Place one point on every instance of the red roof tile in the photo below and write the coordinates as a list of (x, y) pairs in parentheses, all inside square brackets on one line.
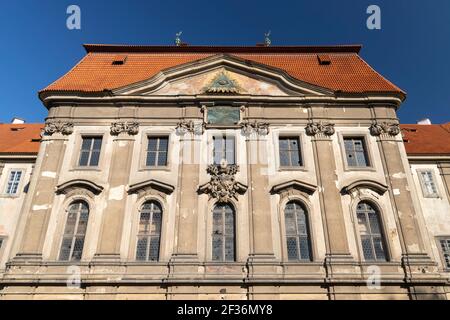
[(431, 139), (347, 72), (20, 138)]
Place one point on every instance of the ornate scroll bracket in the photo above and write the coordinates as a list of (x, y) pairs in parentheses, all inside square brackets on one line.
[(320, 129), (223, 186), (191, 126), (248, 127), (65, 128), (387, 128), (132, 128)]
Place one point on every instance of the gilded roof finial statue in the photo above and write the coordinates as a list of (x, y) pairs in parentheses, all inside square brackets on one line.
[(267, 41), (178, 38)]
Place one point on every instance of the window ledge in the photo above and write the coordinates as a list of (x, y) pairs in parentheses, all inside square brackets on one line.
[(86, 169)]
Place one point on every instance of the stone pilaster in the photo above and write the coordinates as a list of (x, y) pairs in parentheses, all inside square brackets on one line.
[(108, 249), (52, 151), (338, 256), (261, 259), (415, 259), (185, 259)]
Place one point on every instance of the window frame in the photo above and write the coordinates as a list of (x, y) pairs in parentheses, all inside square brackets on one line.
[(306, 209), (368, 150), (422, 183), (142, 165), (235, 235), (301, 144), (19, 184), (138, 235), (77, 151), (64, 224), (382, 226), (224, 135), (446, 267)]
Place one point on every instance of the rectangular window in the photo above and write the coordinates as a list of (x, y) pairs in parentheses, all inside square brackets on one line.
[(12, 187), (90, 151), (289, 148), (356, 152), (224, 147), (445, 249), (428, 185), (157, 148)]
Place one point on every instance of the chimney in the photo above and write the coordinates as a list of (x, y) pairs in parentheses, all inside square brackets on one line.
[(424, 121), (16, 120)]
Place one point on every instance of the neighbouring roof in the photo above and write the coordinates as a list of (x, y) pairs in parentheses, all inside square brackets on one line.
[(20, 138), (426, 139), (107, 67)]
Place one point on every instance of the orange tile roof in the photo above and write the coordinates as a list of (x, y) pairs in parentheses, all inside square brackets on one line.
[(20, 138), (426, 139), (347, 72)]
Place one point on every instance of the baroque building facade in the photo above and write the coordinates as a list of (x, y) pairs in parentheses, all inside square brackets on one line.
[(223, 173)]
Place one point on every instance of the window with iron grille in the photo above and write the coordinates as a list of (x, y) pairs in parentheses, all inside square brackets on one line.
[(428, 184), (297, 232), (12, 187), (289, 149), (223, 235), (149, 233), (157, 148), (90, 151), (74, 232), (356, 152), (371, 233), (445, 249), (224, 147)]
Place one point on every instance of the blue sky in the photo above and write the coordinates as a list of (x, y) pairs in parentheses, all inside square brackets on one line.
[(412, 49)]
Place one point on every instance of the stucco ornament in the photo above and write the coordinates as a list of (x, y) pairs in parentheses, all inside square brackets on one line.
[(248, 127), (185, 126), (64, 128), (223, 83), (390, 128), (132, 128), (223, 186), (319, 128)]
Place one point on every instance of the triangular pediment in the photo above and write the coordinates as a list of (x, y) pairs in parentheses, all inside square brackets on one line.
[(222, 75)]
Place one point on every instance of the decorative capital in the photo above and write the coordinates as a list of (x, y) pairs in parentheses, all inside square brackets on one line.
[(191, 126), (388, 128), (260, 128), (319, 128), (223, 187), (65, 128), (132, 128)]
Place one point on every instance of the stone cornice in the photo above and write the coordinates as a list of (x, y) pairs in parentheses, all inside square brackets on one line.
[(65, 187), (368, 184), (151, 184), (293, 184)]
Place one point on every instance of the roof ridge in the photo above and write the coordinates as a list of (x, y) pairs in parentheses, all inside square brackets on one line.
[(351, 48)]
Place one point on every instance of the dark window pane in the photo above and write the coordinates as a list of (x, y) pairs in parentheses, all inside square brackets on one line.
[(94, 158), (97, 145), (162, 159), (304, 248), (152, 144), (78, 248), (367, 248), (141, 249), (86, 144), (163, 143), (284, 158), (217, 247), (65, 249), (292, 248), (229, 248), (154, 249), (84, 157), (379, 251), (151, 158)]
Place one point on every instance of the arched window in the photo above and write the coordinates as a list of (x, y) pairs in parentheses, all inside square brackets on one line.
[(223, 236), (74, 231), (371, 233), (298, 240), (149, 233)]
